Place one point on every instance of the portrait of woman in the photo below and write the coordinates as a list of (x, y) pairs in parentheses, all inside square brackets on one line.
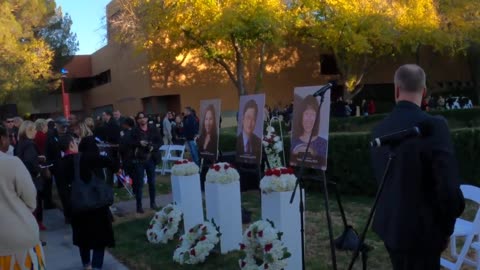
[(304, 126), (208, 140)]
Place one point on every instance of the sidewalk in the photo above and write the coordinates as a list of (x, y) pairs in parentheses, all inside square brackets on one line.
[(60, 252)]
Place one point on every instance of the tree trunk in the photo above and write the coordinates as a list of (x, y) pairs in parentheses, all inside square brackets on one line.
[(474, 63), (240, 66), (261, 69)]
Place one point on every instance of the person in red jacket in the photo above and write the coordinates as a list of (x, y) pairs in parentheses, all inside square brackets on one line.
[(371, 107), (41, 136)]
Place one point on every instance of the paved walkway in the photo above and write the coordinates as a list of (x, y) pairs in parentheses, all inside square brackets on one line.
[(60, 252)]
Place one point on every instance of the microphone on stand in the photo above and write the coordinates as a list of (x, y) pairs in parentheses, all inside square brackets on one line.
[(423, 129)]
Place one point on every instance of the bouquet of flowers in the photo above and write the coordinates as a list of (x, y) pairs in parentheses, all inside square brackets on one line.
[(197, 243), (222, 173), (185, 167), (278, 180), (262, 243), (273, 145)]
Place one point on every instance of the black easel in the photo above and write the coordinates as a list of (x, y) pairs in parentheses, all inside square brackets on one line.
[(299, 185), (391, 157)]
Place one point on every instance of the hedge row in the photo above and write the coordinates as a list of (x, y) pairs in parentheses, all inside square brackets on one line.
[(456, 119), (349, 159)]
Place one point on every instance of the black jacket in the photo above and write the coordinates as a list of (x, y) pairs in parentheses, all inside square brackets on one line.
[(112, 131), (26, 151), (152, 136), (421, 198), (190, 127)]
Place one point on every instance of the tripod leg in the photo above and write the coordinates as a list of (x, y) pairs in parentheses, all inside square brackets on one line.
[(329, 221), (339, 202)]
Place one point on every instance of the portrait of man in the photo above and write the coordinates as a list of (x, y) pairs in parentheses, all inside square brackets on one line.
[(249, 139), (209, 129), (305, 112)]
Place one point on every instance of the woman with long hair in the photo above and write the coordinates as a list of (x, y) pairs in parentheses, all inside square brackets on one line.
[(208, 140), (28, 152), (92, 229), (304, 127)]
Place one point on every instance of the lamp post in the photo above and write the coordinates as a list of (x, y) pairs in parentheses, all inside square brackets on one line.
[(65, 96)]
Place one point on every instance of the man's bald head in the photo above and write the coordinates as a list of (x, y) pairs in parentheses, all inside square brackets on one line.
[(410, 78)]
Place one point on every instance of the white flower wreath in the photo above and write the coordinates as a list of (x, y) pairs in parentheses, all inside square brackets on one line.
[(261, 241), (184, 167), (197, 244), (164, 225), (222, 173)]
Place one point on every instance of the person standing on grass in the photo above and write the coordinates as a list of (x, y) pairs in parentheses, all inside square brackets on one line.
[(421, 198), (167, 129), (190, 131), (20, 244), (146, 142)]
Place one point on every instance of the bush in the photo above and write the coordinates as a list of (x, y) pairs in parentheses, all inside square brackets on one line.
[(349, 161), (456, 119)]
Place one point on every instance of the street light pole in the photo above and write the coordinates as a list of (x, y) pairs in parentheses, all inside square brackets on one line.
[(65, 97)]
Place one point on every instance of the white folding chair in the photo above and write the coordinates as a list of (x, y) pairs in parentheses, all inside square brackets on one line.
[(467, 229), (174, 153), (164, 153)]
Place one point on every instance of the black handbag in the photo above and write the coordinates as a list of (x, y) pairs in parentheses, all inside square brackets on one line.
[(89, 195)]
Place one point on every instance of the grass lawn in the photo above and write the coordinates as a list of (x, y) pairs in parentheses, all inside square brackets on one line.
[(162, 185), (134, 250)]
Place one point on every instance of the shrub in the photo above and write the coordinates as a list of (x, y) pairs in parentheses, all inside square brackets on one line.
[(349, 161)]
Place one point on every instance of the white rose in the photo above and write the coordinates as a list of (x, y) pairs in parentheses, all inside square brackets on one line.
[(270, 129)]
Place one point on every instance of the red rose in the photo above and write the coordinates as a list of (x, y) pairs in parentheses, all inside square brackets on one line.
[(242, 246), (170, 219), (192, 252), (231, 166), (203, 238), (277, 173), (217, 168), (268, 247), (284, 171), (269, 173), (151, 226), (291, 170), (243, 264), (265, 266), (226, 167), (191, 230), (260, 234), (178, 162), (204, 228), (249, 234), (185, 161)]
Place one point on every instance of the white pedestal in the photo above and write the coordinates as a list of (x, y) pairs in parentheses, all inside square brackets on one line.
[(224, 207), (286, 218), (188, 196)]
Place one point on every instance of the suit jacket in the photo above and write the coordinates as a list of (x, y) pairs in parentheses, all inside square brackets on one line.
[(256, 147), (421, 198)]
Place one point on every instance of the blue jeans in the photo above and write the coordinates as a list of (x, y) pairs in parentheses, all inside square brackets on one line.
[(192, 146), (96, 260), (140, 169)]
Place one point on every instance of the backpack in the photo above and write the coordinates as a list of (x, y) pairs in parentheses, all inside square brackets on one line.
[(89, 196)]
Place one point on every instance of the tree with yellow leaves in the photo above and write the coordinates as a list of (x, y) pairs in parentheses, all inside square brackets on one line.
[(231, 33)]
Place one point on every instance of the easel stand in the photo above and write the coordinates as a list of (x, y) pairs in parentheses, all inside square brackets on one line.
[(391, 157), (299, 184)]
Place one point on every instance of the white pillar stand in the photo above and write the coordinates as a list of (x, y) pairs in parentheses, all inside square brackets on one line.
[(286, 218), (224, 207), (188, 196)]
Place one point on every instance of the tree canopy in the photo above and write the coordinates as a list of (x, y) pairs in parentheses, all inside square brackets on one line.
[(26, 47), (233, 34)]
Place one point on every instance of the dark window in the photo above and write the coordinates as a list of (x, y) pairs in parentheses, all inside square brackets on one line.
[(328, 65), (102, 78)]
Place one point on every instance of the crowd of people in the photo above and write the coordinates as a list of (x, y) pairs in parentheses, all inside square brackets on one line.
[(53, 150)]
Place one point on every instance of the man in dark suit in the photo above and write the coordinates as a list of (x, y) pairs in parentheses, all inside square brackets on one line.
[(421, 198), (249, 145), (112, 136)]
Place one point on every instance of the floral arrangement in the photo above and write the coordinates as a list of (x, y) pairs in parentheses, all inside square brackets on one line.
[(164, 225), (197, 243), (184, 167), (222, 173), (278, 180), (273, 145), (262, 242)]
